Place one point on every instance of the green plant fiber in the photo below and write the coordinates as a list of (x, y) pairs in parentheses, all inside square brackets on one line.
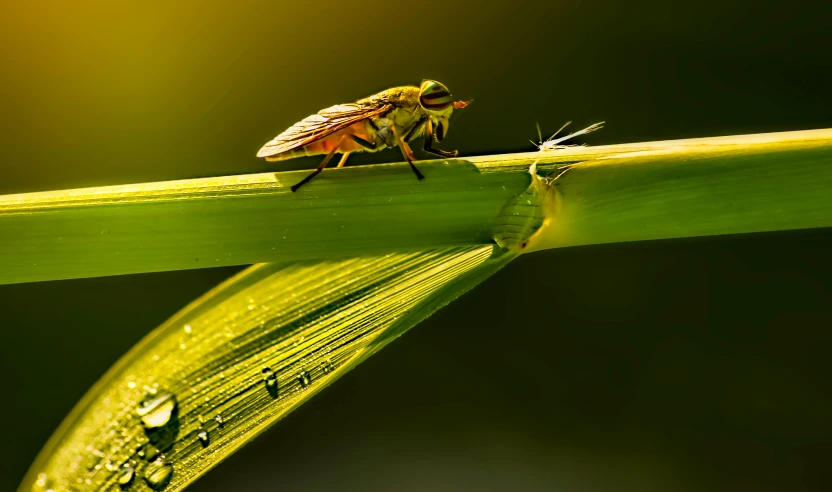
[(365, 254), (629, 192)]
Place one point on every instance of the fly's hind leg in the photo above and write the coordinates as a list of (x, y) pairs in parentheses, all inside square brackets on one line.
[(321, 166), (343, 159), (406, 152), (360, 141)]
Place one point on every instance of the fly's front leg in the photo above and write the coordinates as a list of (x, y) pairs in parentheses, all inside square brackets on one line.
[(406, 152), (439, 152), (429, 138)]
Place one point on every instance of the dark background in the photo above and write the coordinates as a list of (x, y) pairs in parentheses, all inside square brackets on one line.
[(672, 365)]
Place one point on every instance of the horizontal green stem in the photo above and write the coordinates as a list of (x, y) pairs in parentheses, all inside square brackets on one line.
[(241, 220), (613, 193), (701, 187)]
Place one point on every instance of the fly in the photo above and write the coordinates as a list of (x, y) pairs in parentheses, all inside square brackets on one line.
[(391, 118)]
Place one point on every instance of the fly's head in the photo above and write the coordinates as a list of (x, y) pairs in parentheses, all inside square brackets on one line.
[(436, 100)]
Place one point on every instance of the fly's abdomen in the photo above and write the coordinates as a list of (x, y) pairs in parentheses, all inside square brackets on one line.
[(340, 140), (288, 155)]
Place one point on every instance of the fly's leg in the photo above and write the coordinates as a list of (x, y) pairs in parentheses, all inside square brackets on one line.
[(409, 150), (429, 138), (343, 159), (360, 141), (441, 153), (321, 166), (416, 128), (406, 152)]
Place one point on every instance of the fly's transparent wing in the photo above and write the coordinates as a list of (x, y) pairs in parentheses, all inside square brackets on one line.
[(321, 124)]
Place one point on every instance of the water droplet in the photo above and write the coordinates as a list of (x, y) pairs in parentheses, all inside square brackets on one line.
[(188, 328), (203, 438), (43, 483), (271, 382), (126, 476), (220, 420), (304, 379), (327, 366), (156, 410), (158, 474)]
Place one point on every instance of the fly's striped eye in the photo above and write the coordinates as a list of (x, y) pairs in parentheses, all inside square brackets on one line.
[(434, 96)]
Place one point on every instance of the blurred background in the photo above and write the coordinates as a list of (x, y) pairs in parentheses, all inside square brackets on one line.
[(672, 365)]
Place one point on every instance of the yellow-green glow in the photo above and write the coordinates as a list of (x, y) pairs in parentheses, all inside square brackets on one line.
[(244, 355)]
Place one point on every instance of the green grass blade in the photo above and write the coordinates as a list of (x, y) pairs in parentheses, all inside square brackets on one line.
[(241, 220), (310, 321), (613, 193), (307, 322), (698, 187)]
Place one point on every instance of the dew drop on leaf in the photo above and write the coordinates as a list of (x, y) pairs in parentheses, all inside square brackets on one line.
[(125, 477), (156, 410), (203, 438), (304, 379), (158, 474), (43, 483), (271, 382)]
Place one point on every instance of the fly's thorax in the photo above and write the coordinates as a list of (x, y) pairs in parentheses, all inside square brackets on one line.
[(397, 96), (522, 219), (405, 118)]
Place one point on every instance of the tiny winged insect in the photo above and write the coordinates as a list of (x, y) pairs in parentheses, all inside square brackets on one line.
[(391, 118), (554, 144)]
